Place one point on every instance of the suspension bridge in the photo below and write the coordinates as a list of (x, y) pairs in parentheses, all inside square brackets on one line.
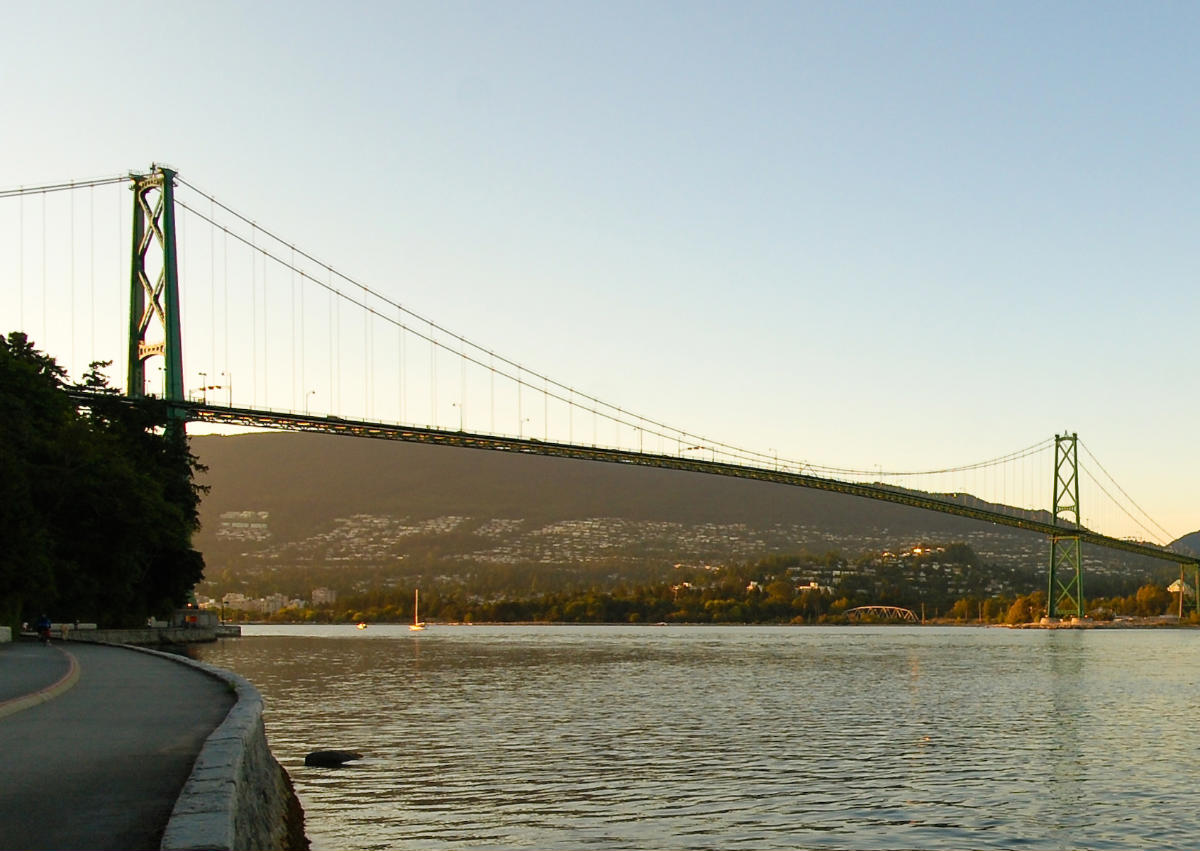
[(286, 323)]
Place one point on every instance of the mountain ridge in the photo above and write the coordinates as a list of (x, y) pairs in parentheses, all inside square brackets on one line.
[(305, 480), (1188, 543)]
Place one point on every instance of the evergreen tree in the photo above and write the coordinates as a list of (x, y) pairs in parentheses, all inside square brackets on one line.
[(97, 506)]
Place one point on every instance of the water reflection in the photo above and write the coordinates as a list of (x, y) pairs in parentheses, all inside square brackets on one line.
[(576, 737)]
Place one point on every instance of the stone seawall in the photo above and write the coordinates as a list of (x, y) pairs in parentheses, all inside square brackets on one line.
[(148, 637), (238, 796)]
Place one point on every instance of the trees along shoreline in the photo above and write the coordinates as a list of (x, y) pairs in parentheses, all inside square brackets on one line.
[(97, 505), (774, 590)]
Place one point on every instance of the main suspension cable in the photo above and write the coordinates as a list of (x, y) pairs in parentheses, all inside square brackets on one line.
[(62, 187), (531, 379), (528, 380), (1117, 485), (1125, 511)]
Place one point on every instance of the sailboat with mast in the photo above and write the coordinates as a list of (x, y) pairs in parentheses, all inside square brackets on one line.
[(417, 625)]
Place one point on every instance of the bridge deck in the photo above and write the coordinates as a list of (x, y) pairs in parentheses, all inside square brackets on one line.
[(960, 506)]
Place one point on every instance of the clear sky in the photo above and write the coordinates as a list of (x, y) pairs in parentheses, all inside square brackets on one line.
[(900, 234)]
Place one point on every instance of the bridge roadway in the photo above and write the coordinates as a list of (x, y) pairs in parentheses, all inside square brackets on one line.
[(442, 437)]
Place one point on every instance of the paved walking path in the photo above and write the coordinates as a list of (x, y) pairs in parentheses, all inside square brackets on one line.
[(96, 743)]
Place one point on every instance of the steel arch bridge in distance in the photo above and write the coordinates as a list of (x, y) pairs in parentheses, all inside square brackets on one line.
[(890, 612)]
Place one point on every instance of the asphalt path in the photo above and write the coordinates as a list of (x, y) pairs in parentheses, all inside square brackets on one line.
[(97, 763), (28, 667)]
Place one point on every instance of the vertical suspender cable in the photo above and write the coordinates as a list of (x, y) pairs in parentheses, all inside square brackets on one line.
[(401, 384), (332, 398), (225, 300), (92, 267), (303, 334), (44, 298), (212, 289), (337, 347), (73, 311), (367, 366), (295, 335), (120, 269), (21, 262), (253, 321), (266, 312)]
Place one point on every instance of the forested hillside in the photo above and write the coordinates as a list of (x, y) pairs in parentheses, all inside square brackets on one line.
[(306, 480), (323, 500)]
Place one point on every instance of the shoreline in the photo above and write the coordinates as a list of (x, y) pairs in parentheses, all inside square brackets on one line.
[(1130, 623)]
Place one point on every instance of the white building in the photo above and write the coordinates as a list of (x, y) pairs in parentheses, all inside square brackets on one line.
[(323, 596)]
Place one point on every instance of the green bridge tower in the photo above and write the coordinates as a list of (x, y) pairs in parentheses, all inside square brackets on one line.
[(154, 307), (1065, 595)]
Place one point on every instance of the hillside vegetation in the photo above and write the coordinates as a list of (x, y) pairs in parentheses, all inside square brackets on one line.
[(287, 513)]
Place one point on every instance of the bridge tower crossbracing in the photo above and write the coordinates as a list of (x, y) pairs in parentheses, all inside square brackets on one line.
[(1065, 587), (154, 285)]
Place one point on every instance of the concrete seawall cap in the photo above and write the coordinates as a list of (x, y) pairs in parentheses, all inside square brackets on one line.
[(237, 796)]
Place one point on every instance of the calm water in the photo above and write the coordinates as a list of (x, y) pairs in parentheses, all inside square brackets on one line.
[(741, 737)]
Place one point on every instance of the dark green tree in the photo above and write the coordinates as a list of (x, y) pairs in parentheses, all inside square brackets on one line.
[(33, 412), (101, 502)]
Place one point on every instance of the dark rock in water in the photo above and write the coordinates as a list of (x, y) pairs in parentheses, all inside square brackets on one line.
[(330, 759)]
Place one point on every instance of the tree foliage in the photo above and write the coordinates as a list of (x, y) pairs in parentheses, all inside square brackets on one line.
[(776, 589), (97, 506)]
